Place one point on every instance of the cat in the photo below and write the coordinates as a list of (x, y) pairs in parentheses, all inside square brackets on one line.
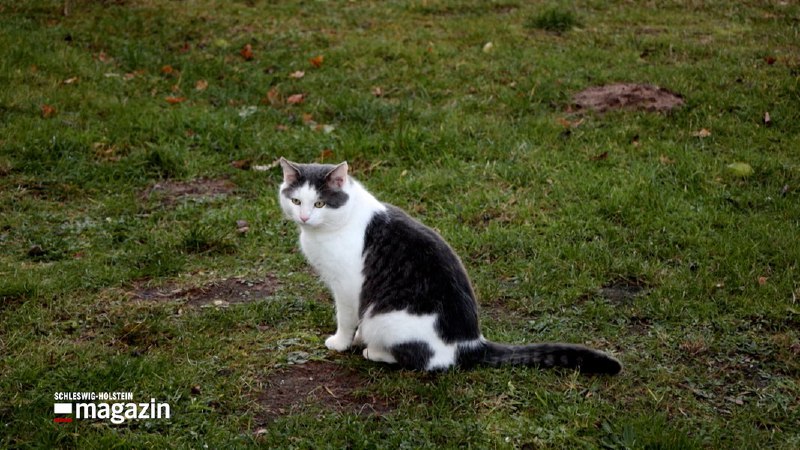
[(399, 289)]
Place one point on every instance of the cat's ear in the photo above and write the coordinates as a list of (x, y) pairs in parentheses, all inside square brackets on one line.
[(337, 177), (290, 171)]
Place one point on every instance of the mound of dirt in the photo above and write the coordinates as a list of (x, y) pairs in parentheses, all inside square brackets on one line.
[(170, 191), (322, 385), (643, 97), (217, 293)]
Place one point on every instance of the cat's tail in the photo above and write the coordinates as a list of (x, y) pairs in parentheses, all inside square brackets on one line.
[(547, 355)]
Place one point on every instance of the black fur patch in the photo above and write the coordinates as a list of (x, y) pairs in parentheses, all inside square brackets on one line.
[(408, 266), (412, 355), (316, 175)]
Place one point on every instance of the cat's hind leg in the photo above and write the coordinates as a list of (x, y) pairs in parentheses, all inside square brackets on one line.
[(378, 354)]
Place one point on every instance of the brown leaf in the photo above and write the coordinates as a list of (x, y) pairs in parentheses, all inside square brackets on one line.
[(770, 60), (297, 74), (48, 111), (103, 58), (71, 80), (185, 48), (307, 118), (666, 160), (317, 61), (247, 52), (326, 153), (167, 70), (762, 280), (273, 97), (242, 164), (767, 119), (201, 85), (172, 100), (296, 99), (702, 133), (600, 157), (377, 91), (281, 127)]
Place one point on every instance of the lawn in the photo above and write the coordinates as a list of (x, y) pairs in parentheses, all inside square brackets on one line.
[(142, 249)]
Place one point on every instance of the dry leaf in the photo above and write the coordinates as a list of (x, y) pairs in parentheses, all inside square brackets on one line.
[(377, 91), (767, 119), (48, 111), (167, 70), (296, 99), (326, 153), (307, 118), (102, 57), (247, 52), (317, 61), (273, 97), (702, 133), (281, 127), (665, 160), (129, 76), (242, 164), (770, 60), (201, 85), (297, 75), (71, 80), (762, 281), (185, 48), (172, 100), (600, 157)]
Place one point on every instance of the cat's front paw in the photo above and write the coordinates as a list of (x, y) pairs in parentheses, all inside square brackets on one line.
[(338, 342)]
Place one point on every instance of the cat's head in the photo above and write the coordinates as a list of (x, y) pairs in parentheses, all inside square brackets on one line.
[(315, 195)]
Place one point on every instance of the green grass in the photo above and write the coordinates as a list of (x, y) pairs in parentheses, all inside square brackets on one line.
[(469, 141)]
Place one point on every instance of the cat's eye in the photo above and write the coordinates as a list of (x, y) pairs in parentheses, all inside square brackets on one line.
[(296, 201), (319, 204)]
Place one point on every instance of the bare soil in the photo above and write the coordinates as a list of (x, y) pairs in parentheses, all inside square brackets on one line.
[(643, 97), (217, 293), (322, 385), (170, 192)]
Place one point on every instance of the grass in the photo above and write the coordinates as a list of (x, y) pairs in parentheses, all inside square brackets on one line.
[(475, 143)]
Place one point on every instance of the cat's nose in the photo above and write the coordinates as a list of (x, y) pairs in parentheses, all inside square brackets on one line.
[(304, 218)]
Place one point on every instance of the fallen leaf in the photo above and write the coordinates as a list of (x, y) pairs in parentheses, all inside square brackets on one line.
[(48, 111), (71, 80), (488, 47), (201, 85), (281, 127), (176, 88), (272, 165), (308, 118), (566, 123), (740, 169), (172, 100), (273, 97), (129, 76), (666, 160), (702, 133), (600, 157), (767, 119), (297, 75), (784, 190), (296, 99), (167, 70), (248, 111), (317, 61), (185, 48), (196, 389), (770, 60), (242, 226), (103, 57), (377, 91), (247, 52), (242, 164), (326, 153), (762, 280)]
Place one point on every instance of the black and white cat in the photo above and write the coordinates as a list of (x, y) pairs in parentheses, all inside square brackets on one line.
[(400, 290)]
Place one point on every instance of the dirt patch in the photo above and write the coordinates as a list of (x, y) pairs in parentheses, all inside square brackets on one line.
[(642, 97), (622, 290), (170, 192), (319, 384), (219, 293)]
